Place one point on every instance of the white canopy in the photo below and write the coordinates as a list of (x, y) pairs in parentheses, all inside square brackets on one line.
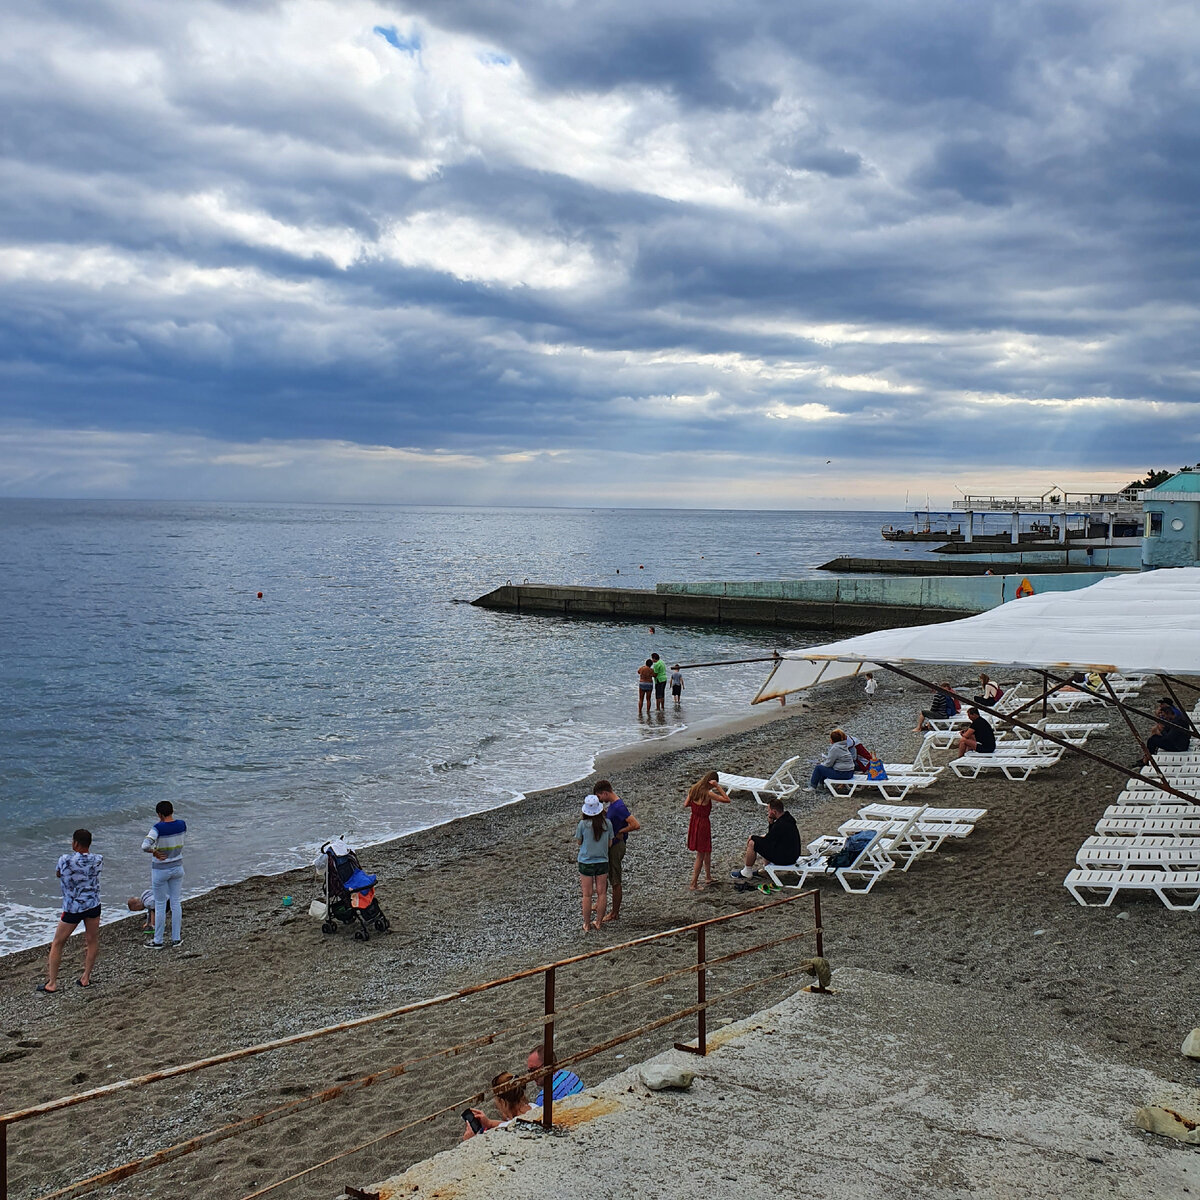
[(1144, 622)]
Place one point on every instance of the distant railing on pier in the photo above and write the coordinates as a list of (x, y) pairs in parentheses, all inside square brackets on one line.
[(544, 1020)]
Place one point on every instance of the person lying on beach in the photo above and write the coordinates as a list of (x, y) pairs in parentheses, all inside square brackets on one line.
[(780, 844), (700, 798), (566, 1083), (79, 878), (623, 824), (594, 835), (979, 737), (510, 1104), (942, 708), (838, 762)]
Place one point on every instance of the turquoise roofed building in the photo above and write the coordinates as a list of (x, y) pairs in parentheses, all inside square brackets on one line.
[(1171, 534)]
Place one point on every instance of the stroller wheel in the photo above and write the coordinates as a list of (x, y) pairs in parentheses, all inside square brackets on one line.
[(361, 935), (329, 927), (383, 925)]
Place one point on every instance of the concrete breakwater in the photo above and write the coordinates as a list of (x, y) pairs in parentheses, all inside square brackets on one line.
[(639, 604), (855, 604)]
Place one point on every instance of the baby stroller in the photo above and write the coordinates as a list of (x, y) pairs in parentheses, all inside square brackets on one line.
[(348, 892)]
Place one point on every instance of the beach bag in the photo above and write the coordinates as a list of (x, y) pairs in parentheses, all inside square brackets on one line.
[(856, 843), (875, 769)]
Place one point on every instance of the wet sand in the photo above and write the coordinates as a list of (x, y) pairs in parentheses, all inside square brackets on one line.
[(498, 892)]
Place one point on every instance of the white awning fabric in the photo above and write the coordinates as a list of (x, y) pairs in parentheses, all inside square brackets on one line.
[(1144, 622)]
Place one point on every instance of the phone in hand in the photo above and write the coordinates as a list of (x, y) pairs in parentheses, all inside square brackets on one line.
[(471, 1119)]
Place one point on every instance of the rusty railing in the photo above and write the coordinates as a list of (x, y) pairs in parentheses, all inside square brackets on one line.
[(544, 1075)]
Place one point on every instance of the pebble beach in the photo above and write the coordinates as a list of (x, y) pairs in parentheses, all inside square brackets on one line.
[(496, 893)]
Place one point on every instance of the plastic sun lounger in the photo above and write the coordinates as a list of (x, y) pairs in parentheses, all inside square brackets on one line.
[(781, 783), (1149, 826), (1172, 808), (1017, 767), (901, 812), (933, 832), (894, 787), (1127, 854), (1076, 733), (1184, 883), (870, 866), (902, 841)]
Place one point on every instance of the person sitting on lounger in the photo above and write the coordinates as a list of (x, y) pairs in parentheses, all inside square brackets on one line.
[(942, 708), (838, 762), (780, 844), (1170, 734), (978, 737), (989, 691), (510, 1104)]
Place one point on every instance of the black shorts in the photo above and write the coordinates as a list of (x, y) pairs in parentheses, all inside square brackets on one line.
[(74, 918), (675, 691), (660, 689)]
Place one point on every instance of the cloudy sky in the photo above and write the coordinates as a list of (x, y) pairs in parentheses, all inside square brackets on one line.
[(730, 253)]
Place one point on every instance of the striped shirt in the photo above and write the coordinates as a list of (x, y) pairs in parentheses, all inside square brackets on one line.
[(166, 837), (566, 1083)]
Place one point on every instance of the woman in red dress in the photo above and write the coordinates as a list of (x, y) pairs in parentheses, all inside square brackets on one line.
[(700, 799)]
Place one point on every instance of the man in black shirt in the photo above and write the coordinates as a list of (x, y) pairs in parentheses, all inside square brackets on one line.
[(978, 736), (780, 844)]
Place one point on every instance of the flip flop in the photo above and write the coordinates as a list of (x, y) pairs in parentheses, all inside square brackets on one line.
[(80, 983), (41, 987)]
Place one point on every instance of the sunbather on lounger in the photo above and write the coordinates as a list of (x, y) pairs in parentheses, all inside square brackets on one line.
[(780, 844), (838, 762), (978, 737), (942, 708)]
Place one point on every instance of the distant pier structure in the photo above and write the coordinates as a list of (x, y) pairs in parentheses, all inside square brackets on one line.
[(1105, 517)]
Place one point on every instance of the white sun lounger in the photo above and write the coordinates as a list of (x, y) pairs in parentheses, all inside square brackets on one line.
[(1186, 884), (901, 812), (1077, 733), (935, 833), (1157, 825), (894, 787), (782, 783), (902, 841), (869, 867), (1016, 767), (1139, 853)]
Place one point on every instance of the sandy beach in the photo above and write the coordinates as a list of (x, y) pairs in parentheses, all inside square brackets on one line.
[(496, 892)]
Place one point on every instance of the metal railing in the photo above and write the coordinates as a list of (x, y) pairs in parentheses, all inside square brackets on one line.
[(545, 1075)]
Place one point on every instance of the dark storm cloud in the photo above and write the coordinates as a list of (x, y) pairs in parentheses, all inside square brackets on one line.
[(938, 233)]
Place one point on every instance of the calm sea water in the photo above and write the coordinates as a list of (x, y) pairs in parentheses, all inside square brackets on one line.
[(137, 663)]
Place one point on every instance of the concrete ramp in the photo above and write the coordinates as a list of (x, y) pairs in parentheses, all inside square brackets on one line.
[(888, 1090)]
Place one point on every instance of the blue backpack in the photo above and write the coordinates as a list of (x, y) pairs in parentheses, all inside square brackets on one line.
[(856, 843)]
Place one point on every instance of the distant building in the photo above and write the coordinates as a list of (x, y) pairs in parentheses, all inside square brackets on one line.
[(1171, 533)]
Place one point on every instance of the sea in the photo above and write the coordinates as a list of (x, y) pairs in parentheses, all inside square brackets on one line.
[(285, 673)]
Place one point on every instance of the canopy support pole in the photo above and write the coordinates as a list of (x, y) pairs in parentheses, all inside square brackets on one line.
[(1149, 758), (1041, 733)]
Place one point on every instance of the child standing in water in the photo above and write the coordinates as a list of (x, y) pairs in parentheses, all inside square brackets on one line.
[(676, 683), (700, 799)]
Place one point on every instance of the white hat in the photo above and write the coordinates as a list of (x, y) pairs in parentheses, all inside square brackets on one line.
[(592, 806)]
